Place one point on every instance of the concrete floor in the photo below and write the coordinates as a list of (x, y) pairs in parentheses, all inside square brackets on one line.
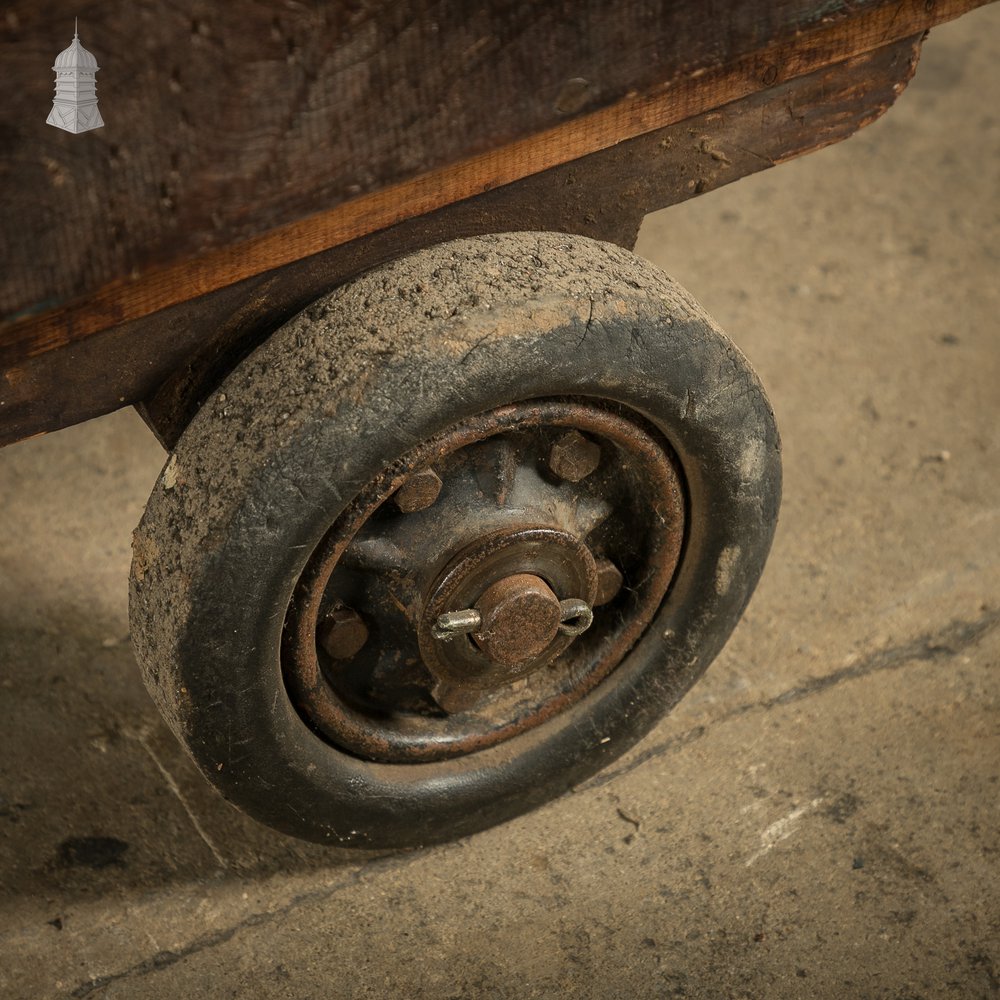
[(819, 818)]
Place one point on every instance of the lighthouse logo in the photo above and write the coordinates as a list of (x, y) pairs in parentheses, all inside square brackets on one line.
[(75, 106)]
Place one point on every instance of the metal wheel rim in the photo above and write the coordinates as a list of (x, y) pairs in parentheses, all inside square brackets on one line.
[(411, 738)]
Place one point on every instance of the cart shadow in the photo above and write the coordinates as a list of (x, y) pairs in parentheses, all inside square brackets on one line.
[(95, 792)]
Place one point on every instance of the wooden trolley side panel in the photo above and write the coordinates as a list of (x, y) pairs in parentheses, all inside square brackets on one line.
[(222, 168), (171, 359), (228, 120)]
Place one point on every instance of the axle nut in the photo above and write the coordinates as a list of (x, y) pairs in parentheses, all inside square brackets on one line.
[(520, 617), (574, 457)]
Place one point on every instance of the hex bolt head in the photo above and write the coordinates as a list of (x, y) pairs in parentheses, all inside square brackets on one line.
[(519, 618), (419, 491), (574, 457), (343, 633), (609, 581)]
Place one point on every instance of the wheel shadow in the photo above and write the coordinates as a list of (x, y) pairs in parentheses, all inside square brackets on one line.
[(96, 794)]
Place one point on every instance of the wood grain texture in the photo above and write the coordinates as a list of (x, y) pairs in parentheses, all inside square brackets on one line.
[(226, 120), (174, 358), (242, 137)]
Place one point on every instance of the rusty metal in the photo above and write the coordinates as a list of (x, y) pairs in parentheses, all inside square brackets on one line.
[(408, 696), (609, 582), (573, 457), (418, 492), (553, 555), (343, 633), (519, 619), (574, 617)]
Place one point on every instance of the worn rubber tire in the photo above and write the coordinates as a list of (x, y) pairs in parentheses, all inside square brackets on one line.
[(347, 387)]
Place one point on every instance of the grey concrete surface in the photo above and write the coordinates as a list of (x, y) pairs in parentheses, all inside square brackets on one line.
[(819, 818)]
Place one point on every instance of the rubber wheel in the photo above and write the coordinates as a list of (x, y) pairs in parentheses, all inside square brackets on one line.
[(334, 401)]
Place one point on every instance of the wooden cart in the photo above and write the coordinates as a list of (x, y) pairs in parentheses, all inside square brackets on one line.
[(461, 495)]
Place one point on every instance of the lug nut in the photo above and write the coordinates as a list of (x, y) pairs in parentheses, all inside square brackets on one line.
[(419, 491), (574, 457), (343, 633), (455, 697), (609, 581)]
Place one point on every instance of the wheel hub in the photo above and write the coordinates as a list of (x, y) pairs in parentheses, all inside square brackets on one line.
[(514, 582), (485, 582)]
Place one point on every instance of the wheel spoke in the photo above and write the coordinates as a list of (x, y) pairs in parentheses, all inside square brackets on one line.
[(376, 554)]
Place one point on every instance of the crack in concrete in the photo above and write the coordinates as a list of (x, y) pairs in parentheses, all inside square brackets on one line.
[(944, 644), (142, 738), (164, 959), (929, 647)]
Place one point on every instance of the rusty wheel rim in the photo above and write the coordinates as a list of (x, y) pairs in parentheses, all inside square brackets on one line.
[(561, 495)]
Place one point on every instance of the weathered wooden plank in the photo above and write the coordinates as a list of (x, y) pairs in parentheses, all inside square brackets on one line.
[(251, 135), (173, 358)]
